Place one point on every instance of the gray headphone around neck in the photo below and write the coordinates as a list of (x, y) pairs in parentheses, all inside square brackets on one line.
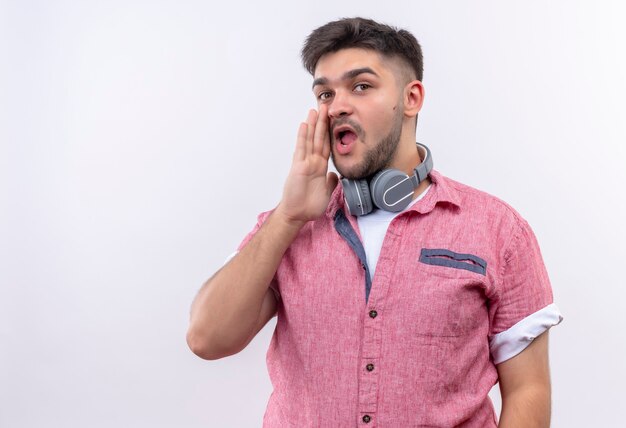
[(389, 189)]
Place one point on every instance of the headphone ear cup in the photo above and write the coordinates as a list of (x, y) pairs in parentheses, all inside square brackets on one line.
[(375, 184), (392, 190), (357, 196)]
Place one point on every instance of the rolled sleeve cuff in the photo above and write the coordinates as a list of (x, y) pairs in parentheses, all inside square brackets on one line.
[(509, 343), (229, 258)]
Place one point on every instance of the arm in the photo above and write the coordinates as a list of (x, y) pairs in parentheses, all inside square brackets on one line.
[(234, 304), (525, 387)]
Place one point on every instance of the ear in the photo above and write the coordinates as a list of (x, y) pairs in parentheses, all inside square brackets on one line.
[(413, 98)]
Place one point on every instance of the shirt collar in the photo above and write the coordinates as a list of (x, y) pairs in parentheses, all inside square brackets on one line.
[(442, 191)]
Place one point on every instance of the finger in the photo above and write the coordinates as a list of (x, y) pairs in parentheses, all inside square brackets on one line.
[(321, 130), (311, 118), (300, 151), (328, 141)]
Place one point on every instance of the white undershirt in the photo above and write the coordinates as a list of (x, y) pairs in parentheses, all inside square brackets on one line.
[(373, 228)]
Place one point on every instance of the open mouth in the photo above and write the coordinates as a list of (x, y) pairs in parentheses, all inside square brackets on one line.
[(345, 137)]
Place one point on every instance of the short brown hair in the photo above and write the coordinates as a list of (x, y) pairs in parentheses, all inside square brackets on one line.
[(363, 33)]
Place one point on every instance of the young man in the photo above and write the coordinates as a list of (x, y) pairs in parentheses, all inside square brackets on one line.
[(403, 316)]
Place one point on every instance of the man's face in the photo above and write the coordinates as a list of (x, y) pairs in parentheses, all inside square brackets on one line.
[(365, 109)]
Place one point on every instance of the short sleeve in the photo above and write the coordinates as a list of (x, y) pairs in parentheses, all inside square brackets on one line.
[(260, 220), (524, 307)]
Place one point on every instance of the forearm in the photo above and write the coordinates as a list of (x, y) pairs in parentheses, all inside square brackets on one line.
[(227, 307), (526, 408)]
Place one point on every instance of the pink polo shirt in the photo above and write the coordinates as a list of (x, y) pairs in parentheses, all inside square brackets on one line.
[(460, 286)]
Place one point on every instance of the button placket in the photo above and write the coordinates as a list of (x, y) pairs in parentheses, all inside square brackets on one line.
[(368, 385), (369, 376)]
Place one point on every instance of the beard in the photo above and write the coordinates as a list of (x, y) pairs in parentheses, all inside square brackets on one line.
[(376, 158)]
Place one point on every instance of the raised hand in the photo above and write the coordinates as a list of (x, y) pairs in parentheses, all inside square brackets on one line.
[(309, 186)]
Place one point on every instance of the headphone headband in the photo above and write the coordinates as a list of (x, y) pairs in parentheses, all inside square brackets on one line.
[(390, 189), (423, 169)]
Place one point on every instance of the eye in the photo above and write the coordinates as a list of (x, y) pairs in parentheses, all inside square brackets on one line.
[(360, 87), (323, 96)]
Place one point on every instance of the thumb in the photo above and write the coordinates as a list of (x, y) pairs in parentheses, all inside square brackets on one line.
[(331, 182)]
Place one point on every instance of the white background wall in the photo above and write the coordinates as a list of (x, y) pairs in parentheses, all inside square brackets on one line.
[(139, 139)]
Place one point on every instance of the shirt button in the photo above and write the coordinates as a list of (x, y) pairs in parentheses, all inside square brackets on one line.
[(369, 367), (373, 314), (366, 418)]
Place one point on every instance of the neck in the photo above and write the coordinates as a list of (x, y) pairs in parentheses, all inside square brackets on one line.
[(406, 157)]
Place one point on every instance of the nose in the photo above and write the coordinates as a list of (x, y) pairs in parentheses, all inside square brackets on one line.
[(340, 105)]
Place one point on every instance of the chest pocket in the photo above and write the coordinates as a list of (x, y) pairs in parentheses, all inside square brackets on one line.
[(450, 259), (450, 293)]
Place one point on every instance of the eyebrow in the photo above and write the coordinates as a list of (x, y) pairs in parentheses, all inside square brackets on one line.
[(351, 74)]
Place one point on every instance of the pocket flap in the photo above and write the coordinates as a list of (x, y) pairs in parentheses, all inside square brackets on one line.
[(443, 257)]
